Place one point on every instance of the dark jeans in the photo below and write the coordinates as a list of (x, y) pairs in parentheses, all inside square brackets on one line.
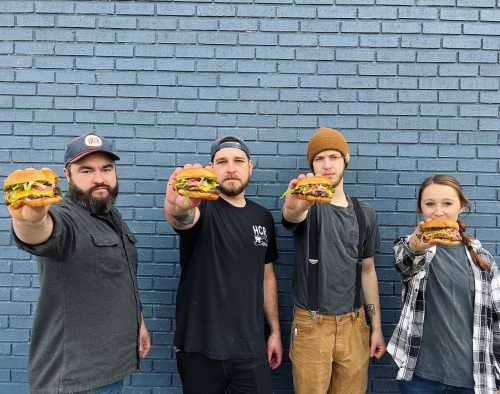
[(201, 375), (423, 386)]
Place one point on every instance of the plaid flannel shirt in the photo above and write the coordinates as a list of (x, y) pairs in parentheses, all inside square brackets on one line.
[(405, 342)]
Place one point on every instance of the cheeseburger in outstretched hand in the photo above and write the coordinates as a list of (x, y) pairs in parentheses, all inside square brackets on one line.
[(440, 231), (197, 182), (313, 188), (31, 186)]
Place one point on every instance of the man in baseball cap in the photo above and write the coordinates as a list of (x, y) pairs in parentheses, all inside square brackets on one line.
[(89, 331), (86, 144), (227, 281), (334, 275)]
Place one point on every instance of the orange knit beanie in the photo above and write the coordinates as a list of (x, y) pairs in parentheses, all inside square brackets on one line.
[(325, 139)]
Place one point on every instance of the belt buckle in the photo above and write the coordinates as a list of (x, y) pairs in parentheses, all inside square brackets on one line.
[(313, 314)]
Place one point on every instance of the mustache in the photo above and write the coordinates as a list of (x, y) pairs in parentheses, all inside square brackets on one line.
[(94, 188)]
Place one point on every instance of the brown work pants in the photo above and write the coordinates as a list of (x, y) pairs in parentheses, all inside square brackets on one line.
[(329, 353)]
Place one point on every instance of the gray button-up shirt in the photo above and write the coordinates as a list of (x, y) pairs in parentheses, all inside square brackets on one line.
[(87, 320)]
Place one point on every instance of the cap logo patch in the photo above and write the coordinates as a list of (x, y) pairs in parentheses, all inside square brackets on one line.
[(93, 141)]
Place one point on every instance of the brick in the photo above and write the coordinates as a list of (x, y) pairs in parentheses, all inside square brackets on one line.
[(216, 10), (459, 14), (157, 23), (377, 96), (76, 21), (16, 6), (411, 123), (15, 61), (418, 13), (418, 70), (295, 40), (175, 9), (377, 12), (199, 24), (250, 25), (35, 20), (91, 7), (398, 109), (439, 110), (117, 22), (379, 41), (337, 12), (61, 7), (475, 57), (296, 12), (479, 83), (135, 64), (74, 49), (441, 165), (489, 70), (54, 62), (443, 56), (357, 108), (220, 38), (478, 165), (307, 54), (441, 28), (116, 77), (33, 102), (420, 42), (401, 27), (263, 94), (457, 124), (140, 8), (337, 68), (417, 96), (99, 35), (395, 55), (478, 110), (438, 83), (258, 11), (360, 27), (438, 138), (235, 53), (311, 26), (487, 29)]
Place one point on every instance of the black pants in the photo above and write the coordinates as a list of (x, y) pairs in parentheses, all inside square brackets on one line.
[(202, 375)]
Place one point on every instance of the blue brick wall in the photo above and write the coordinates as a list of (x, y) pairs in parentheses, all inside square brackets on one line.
[(412, 83)]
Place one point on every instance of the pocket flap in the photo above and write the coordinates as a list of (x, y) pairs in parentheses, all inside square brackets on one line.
[(103, 240)]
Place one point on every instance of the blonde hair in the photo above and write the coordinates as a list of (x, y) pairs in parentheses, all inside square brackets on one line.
[(467, 240)]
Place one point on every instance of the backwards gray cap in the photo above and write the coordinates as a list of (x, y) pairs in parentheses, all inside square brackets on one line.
[(229, 142)]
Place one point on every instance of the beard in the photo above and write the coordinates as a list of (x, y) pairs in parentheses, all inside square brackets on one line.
[(96, 205), (233, 191)]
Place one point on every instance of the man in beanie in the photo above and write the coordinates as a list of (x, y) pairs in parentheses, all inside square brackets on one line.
[(330, 342), (89, 331), (227, 283)]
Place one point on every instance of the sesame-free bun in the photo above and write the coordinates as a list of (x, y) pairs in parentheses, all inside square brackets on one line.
[(198, 195), (30, 175), (196, 172), (307, 197), (439, 223), (447, 242), (314, 180), (38, 202)]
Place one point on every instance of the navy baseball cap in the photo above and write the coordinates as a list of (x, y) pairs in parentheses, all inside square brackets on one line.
[(86, 144), (229, 142)]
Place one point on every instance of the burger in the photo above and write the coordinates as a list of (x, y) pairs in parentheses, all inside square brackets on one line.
[(200, 183), (440, 231), (31, 186), (313, 188)]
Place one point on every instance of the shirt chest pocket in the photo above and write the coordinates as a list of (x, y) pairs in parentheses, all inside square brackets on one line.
[(108, 258)]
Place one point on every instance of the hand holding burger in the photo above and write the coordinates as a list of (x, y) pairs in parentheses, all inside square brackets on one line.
[(31, 186), (435, 232), (314, 188), (197, 182)]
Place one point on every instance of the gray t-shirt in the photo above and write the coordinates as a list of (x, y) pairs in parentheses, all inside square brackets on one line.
[(446, 351), (338, 255)]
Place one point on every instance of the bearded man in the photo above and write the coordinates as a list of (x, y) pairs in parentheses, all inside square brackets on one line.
[(89, 331), (227, 284)]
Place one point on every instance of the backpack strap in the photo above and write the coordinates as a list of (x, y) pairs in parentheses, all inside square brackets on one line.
[(362, 228), (313, 262)]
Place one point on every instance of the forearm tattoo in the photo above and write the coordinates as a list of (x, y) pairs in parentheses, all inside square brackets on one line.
[(185, 219), (370, 309)]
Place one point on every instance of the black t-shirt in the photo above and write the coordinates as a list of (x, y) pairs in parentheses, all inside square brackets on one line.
[(220, 296)]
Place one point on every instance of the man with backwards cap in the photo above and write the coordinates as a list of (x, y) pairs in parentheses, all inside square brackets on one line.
[(227, 282), (330, 344), (89, 332)]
